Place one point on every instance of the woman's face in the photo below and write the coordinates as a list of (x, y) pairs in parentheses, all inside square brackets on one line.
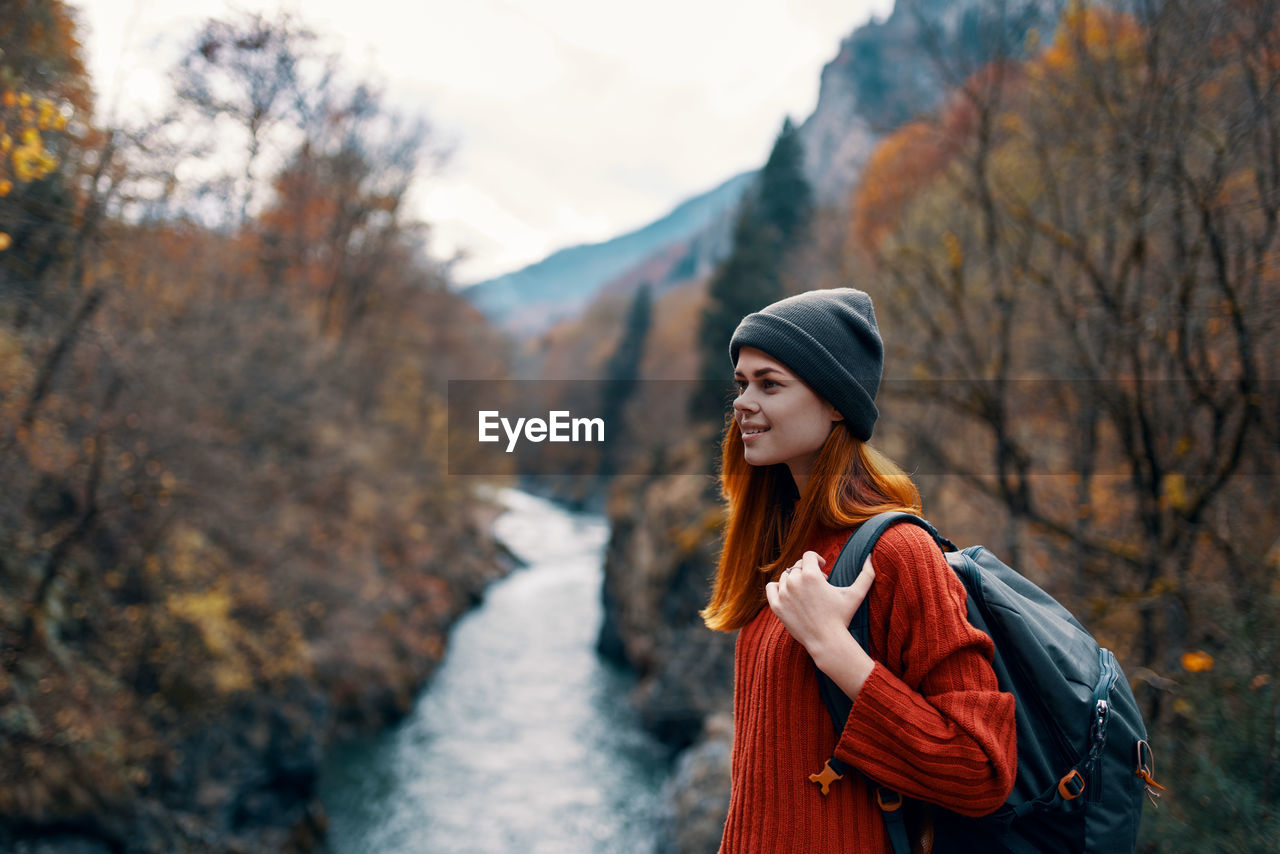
[(781, 419)]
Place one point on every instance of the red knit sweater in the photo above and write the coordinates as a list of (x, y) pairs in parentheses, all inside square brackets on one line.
[(929, 722)]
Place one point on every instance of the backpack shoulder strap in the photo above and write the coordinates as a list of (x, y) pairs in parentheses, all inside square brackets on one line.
[(863, 541), (854, 554)]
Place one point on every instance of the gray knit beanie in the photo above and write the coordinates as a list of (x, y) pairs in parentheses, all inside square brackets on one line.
[(829, 339)]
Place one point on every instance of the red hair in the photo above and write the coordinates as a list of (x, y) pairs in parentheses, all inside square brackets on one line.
[(768, 524)]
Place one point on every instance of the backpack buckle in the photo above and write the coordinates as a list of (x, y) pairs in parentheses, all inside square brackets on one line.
[(891, 803), (1071, 786)]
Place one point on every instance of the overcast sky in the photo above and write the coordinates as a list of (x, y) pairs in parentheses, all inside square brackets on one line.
[(570, 121)]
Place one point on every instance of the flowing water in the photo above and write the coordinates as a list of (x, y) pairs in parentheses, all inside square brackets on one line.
[(524, 741)]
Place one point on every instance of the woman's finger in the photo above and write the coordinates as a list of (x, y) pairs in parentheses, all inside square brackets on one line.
[(862, 584), (771, 593)]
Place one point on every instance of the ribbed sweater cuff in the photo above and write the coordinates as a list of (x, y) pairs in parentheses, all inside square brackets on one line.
[(898, 739)]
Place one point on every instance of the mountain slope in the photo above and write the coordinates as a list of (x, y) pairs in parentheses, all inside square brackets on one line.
[(530, 300)]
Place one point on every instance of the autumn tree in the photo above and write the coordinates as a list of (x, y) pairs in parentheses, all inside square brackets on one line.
[(255, 71), (220, 516), (337, 225), (45, 102), (1080, 300)]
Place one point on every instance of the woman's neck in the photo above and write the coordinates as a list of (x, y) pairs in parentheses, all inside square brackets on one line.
[(800, 478)]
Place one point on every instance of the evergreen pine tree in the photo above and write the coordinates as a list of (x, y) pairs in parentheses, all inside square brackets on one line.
[(621, 374), (786, 200), (774, 216)]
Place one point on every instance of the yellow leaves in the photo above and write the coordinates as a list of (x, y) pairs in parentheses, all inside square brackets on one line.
[(210, 613), (26, 118), (207, 610), (1175, 491), (191, 555), (5, 240), (1198, 661), (1011, 123), (31, 161), (955, 252), (50, 118)]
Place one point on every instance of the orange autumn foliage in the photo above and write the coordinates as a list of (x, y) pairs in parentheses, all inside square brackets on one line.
[(1092, 32)]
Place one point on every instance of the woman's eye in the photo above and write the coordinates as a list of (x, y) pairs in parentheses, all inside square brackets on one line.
[(741, 385)]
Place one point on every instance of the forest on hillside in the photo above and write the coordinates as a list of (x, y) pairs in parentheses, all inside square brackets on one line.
[(226, 532), (1079, 252), (1074, 262)]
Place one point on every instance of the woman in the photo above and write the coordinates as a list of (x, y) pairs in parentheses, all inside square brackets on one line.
[(928, 719)]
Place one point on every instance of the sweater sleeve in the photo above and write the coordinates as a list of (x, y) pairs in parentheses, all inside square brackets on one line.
[(930, 721)]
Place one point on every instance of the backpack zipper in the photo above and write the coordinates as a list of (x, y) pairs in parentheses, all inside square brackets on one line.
[(1107, 674)]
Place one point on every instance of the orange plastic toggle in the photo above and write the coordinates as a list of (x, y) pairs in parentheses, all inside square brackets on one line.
[(888, 805), (1147, 778), (825, 777), (1071, 786)]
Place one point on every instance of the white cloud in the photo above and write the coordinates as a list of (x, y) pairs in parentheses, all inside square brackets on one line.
[(573, 120)]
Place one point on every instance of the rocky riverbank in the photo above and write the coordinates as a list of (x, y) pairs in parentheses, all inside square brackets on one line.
[(184, 766)]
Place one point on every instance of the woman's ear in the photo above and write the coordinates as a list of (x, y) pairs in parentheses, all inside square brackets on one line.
[(835, 414)]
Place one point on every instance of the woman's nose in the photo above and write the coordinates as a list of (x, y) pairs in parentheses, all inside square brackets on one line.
[(743, 402)]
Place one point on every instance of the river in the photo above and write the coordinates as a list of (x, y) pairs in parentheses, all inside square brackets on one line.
[(524, 740)]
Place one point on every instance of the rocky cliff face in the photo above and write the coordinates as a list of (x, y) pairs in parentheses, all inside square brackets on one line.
[(658, 563), (660, 558), (877, 81), (890, 72)]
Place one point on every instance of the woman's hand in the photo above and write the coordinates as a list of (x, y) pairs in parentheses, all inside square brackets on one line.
[(812, 609), (817, 614)]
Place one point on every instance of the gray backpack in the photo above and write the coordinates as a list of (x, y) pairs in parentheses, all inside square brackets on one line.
[(1084, 764)]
